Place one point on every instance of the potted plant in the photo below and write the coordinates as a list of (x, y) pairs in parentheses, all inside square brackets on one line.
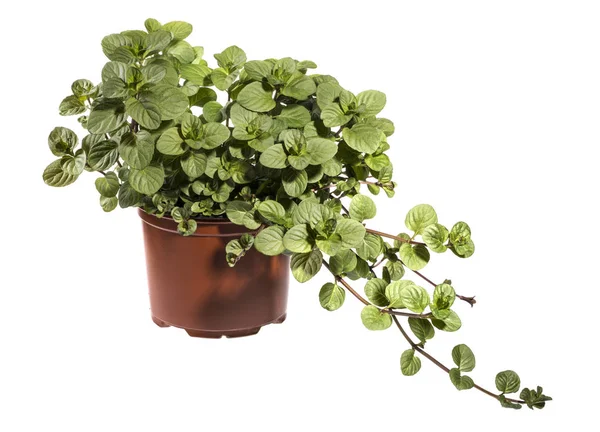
[(235, 191)]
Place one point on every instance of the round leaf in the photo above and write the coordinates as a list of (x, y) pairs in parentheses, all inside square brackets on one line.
[(108, 185), (331, 296), (435, 235), (409, 363), (363, 138), (271, 210), (305, 265), (459, 381), (108, 204), (146, 114), (415, 257), (298, 239), (450, 324), (171, 143), (375, 291), (294, 182), (61, 141), (508, 382), (136, 150), (373, 100), (422, 328), (194, 164), (55, 176), (352, 233), (274, 157), (270, 241), (362, 207), (463, 357), (374, 319), (295, 116), (256, 97), (420, 217), (414, 297), (147, 180)]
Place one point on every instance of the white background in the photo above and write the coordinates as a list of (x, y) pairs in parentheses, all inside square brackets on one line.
[(497, 107)]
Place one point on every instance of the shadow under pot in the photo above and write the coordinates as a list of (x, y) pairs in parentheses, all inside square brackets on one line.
[(192, 287)]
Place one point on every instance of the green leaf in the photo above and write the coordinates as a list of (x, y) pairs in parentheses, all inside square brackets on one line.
[(435, 235), (508, 382), (460, 382), (351, 231), (152, 25), (272, 210), (420, 217), (274, 157), (108, 204), (182, 51), (83, 88), (393, 293), (415, 257), (295, 116), (145, 113), (327, 94), (103, 155), (187, 227), (363, 138), (330, 245), (507, 404), (71, 105), (422, 329), (409, 363), (373, 100), (115, 88), (171, 143), (395, 270), (147, 180), (213, 112), (256, 97), (196, 74), (136, 150), (74, 164), (535, 398), (450, 324), (108, 185), (61, 141), (377, 163), (231, 57), (415, 298), (294, 182), (180, 29), (171, 101), (443, 299), (194, 164), (463, 357), (114, 70), (371, 247), (237, 211), (258, 70), (362, 207), (298, 239), (344, 261), (222, 79), (112, 42), (460, 239), (56, 177), (305, 265), (333, 115), (106, 116), (153, 73), (128, 196), (375, 291), (320, 150), (374, 319), (299, 86), (270, 241), (158, 40), (331, 296), (215, 134)]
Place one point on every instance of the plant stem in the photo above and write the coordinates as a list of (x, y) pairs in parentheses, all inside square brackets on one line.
[(400, 239), (470, 300), (441, 365), (367, 303), (345, 209)]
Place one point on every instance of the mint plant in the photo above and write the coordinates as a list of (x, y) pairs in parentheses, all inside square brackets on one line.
[(287, 154)]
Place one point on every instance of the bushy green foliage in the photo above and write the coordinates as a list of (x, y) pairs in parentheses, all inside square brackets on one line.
[(281, 152)]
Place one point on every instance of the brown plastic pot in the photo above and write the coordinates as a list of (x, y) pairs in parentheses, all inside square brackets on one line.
[(192, 287)]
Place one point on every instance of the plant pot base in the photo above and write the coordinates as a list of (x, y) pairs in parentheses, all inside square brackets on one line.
[(217, 334)]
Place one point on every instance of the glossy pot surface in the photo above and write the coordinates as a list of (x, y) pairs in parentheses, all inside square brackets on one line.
[(192, 287)]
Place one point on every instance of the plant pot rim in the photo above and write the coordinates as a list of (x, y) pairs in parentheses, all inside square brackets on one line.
[(207, 226)]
